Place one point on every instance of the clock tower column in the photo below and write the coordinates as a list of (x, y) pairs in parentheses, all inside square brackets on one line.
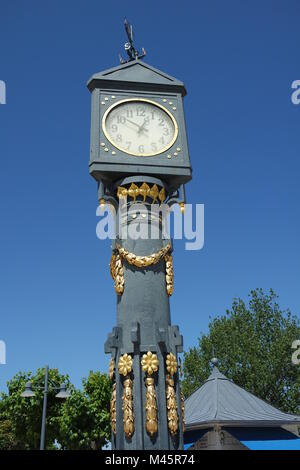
[(144, 106)]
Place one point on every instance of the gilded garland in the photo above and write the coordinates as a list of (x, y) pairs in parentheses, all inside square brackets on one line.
[(117, 271), (149, 366)]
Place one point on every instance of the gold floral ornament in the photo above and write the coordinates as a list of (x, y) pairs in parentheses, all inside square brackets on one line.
[(150, 363), (171, 364), (125, 364)]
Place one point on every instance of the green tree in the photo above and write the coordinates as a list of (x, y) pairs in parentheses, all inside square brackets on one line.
[(85, 419), (253, 345), (20, 418)]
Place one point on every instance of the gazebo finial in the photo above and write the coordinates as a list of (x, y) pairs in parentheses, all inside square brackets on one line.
[(214, 360)]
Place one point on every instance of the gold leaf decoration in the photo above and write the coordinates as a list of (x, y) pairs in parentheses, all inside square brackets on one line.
[(111, 368), (113, 409), (171, 406), (144, 191), (162, 195), (117, 273), (149, 363), (154, 193), (133, 191), (171, 364), (127, 407), (125, 364), (121, 192), (151, 407), (169, 273), (182, 411)]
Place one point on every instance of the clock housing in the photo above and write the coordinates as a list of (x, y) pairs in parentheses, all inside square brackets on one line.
[(139, 89)]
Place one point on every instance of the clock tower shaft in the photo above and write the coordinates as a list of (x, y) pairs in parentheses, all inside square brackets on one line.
[(147, 409), (148, 403)]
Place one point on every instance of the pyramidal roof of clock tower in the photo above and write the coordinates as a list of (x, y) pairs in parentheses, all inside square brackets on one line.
[(136, 74)]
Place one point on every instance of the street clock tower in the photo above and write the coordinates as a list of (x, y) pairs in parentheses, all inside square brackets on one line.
[(140, 160)]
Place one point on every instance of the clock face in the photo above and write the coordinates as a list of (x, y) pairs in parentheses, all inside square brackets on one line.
[(140, 127)]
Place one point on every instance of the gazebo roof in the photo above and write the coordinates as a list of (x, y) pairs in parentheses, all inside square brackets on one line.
[(221, 401)]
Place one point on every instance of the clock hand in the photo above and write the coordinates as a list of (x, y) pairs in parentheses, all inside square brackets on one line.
[(142, 127), (131, 122)]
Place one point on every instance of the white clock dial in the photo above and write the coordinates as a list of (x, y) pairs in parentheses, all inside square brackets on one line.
[(140, 127)]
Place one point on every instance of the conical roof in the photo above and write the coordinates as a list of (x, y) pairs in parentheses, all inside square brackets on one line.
[(221, 401)]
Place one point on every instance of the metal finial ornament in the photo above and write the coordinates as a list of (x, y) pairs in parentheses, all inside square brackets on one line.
[(131, 51)]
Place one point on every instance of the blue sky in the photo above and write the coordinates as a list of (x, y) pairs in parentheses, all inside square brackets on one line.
[(238, 61)]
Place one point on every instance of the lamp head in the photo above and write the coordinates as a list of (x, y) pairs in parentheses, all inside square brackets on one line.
[(63, 392), (28, 392)]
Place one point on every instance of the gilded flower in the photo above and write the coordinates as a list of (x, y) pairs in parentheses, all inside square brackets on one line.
[(111, 368), (149, 363), (125, 364), (171, 363)]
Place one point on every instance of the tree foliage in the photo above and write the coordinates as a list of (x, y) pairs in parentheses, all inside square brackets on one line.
[(85, 420), (80, 422), (253, 345), (21, 417)]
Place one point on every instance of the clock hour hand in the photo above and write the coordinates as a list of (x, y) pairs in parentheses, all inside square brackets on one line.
[(140, 127)]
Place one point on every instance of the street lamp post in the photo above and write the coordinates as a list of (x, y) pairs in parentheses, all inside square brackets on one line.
[(29, 392)]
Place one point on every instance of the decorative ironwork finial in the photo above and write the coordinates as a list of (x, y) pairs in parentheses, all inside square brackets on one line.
[(131, 51), (214, 360)]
